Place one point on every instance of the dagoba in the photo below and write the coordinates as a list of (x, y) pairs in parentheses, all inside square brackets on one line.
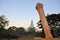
[(31, 27)]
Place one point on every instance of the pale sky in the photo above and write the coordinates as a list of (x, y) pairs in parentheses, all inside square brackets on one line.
[(21, 12)]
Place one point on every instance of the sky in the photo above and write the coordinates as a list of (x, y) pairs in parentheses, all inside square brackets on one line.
[(21, 12)]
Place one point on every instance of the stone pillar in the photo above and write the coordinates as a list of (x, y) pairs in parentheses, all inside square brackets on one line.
[(45, 25)]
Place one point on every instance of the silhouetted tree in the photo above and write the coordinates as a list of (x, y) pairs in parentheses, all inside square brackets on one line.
[(12, 33), (40, 34), (54, 22), (3, 23), (21, 31), (3, 33)]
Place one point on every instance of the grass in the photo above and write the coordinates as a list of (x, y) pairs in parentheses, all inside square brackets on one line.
[(32, 38)]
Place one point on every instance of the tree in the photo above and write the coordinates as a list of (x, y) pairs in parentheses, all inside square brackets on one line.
[(12, 28), (3, 21), (21, 31), (54, 22), (40, 34), (12, 33), (3, 33), (31, 31)]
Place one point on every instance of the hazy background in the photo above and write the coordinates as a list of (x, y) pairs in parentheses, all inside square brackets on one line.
[(21, 12)]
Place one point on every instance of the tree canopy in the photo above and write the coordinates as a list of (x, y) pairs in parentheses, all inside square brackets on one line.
[(3, 21), (54, 23)]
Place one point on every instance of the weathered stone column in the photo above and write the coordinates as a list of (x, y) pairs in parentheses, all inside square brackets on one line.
[(45, 25)]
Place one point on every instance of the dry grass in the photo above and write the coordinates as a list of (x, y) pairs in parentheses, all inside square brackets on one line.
[(38, 38), (32, 38)]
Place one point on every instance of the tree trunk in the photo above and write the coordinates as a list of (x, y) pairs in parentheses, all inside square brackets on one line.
[(40, 10)]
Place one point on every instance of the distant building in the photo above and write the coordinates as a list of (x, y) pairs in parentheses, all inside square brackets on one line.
[(31, 29), (31, 25)]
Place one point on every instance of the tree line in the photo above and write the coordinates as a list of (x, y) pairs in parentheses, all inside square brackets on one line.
[(14, 32)]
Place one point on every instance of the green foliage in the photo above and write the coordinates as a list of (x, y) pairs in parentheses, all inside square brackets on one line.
[(31, 31), (3, 33), (12, 33), (54, 23), (21, 31), (3, 21), (40, 34)]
